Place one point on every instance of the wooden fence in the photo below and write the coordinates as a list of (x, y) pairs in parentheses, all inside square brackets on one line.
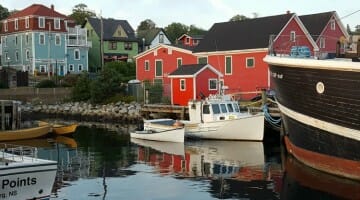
[(30, 94)]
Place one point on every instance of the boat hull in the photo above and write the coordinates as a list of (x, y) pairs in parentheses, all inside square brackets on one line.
[(64, 129), (246, 128), (172, 135), (27, 179), (320, 105), (26, 133)]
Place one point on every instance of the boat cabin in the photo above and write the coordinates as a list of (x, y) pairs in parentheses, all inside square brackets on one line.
[(213, 108)]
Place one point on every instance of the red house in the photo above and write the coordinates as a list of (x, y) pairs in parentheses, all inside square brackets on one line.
[(157, 63), (189, 40), (193, 82)]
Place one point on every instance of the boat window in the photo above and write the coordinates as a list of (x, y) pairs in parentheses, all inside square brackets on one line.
[(206, 109), (215, 108), (236, 106), (230, 107), (223, 108)]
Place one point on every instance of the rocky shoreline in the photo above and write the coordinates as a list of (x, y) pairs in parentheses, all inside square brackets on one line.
[(119, 112)]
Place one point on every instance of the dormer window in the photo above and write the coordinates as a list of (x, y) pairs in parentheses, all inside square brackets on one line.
[(161, 38), (5, 26), (187, 41), (27, 22), (16, 24), (41, 22), (332, 24), (292, 36), (56, 23)]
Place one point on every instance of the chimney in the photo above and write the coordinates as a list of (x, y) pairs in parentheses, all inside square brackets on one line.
[(288, 12), (52, 7)]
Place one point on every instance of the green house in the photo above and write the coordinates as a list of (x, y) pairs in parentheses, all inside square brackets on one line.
[(119, 41)]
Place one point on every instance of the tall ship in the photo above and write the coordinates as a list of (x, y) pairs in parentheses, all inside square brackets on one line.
[(319, 98)]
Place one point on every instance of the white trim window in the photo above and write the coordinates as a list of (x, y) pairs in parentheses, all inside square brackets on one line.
[(27, 22), (57, 40), (71, 67), (4, 40), (147, 65), (57, 23), (161, 38), (42, 68), (26, 38), (16, 56), (158, 68), (80, 67), (27, 54), (332, 24), (5, 26), (292, 36), (182, 84), (250, 62), (76, 54), (228, 65), (16, 24), (322, 42), (16, 40), (179, 62), (187, 40), (42, 38), (213, 84), (202, 60), (41, 22)]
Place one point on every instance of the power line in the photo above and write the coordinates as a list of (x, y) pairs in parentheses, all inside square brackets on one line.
[(349, 14)]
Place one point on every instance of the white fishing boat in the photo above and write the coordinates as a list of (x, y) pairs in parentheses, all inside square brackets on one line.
[(174, 148), (219, 117), (167, 130), (23, 175)]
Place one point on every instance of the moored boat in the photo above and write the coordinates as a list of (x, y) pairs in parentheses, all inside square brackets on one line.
[(320, 104), (24, 133), (170, 135), (63, 129), (23, 175), (219, 117)]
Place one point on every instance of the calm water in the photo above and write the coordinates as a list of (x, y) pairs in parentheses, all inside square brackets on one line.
[(104, 163)]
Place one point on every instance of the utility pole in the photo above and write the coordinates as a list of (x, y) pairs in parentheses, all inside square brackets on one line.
[(49, 46), (101, 41)]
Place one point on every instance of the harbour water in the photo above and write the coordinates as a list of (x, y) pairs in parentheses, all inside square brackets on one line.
[(104, 163)]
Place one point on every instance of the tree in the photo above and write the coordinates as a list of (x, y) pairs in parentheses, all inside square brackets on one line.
[(80, 12), (145, 25), (348, 29), (193, 30), (238, 18), (106, 84), (81, 90), (175, 30), (4, 12)]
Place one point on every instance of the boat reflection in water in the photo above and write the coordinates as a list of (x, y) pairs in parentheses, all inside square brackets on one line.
[(303, 182), (232, 168)]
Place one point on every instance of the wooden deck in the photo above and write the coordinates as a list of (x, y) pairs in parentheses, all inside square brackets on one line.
[(181, 112)]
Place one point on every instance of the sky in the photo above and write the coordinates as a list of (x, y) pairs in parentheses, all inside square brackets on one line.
[(201, 13)]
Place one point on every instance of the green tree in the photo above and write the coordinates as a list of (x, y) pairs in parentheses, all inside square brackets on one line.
[(238, 18), (193, 30), (145, 25), (106, 84), (4, 13), (80, 12), (81, 90), (125, 69), (175, 30)]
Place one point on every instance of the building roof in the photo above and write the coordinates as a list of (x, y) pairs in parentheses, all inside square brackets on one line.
[(149, 35), (316, 23), (187, 69), (38, 10), (110, 26), (245, 34)]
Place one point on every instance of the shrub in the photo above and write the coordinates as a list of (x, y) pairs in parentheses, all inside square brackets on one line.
[(46, 84), (81, 90)]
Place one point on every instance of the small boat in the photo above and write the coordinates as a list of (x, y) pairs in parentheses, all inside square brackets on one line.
[(166, 130), (24, 133), (62, 129), (173, 148), (219, 117), (23, 175)]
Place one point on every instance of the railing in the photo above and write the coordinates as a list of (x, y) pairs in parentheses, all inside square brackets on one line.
[(76, 31), (15, 153), (77, 42)]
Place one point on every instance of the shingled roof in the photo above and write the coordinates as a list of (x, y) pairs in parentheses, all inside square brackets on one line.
[(245, 34), (110, 26), (316, 23), (187, 69), (38, 10)]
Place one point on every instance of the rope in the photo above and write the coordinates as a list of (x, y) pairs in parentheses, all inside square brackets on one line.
[(269, 118)]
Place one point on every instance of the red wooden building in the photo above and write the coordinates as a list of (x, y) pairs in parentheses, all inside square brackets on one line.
[(189, 40), (193, 82)]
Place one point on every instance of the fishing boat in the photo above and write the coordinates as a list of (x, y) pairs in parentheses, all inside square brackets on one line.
[(24, 133), (174, 148), (23, 175), (219, 117), (63, 129), (319, 99)]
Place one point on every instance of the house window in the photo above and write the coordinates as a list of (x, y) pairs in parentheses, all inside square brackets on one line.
[(187, 40), (195, 42), (57, 39), (322, 42), (212, 84), (5, 26), (179, 62), (16, 55), (147, 65), (228, 65), (41, 22), (292, 36), (57, 23), (42, 68), (128, 46), (16, 40), (5, 41), (16, 24), (71, 67), (332, 24), (41, 38), (158, 68), (26, 22), (26, 39), (202, 60), (66, 25), (27, 54), (250, 62), (6, 56), (182, 85), (112, 45), (161, 38), (77, 54), (80, 67)]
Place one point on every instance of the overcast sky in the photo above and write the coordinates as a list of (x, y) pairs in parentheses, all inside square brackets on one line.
[(201, 13)]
